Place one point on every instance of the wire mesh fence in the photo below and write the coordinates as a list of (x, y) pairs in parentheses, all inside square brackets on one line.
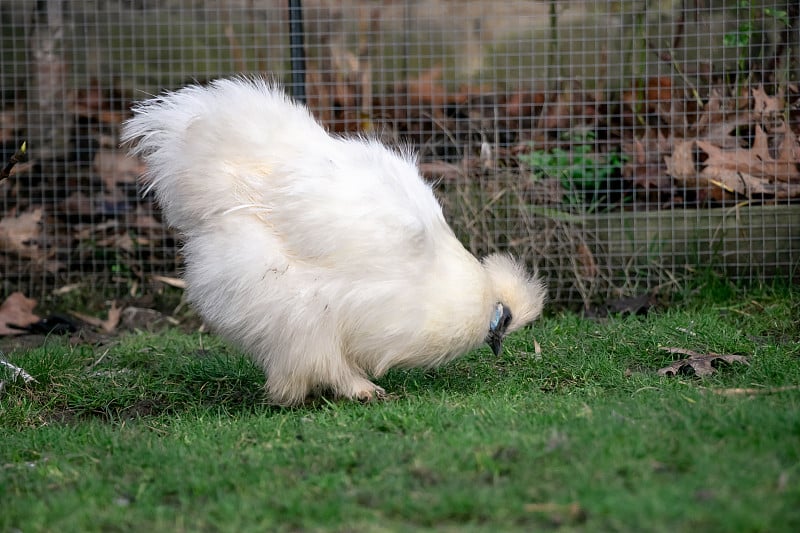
[(617, 146)]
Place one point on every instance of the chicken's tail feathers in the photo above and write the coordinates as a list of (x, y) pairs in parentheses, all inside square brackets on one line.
[(523, 293), (209, 148)]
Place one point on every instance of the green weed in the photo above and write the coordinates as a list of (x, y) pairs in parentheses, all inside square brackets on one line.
[(584, 174)]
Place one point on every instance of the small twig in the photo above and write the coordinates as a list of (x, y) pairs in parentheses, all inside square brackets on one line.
[(753, 391), (537, 350), (18, 157), (99, 359), (677, 68), (171, 281), (669, 56)]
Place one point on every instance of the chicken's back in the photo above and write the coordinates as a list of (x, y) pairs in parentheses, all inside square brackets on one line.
[(242, 146), (204, 146)]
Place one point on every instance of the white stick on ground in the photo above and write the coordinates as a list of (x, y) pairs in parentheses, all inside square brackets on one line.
[(18, 372)]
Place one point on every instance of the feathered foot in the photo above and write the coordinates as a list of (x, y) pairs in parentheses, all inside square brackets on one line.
[(293, 388), (363, 390)]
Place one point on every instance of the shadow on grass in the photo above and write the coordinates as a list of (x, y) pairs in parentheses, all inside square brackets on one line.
[(149, 376), (136, 377)]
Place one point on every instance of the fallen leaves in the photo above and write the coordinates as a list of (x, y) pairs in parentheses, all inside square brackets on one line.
[(756, 161), (17, 318), (17, 310), (20, 234), (115, 168), (748, 173), (681, 146), (699, 364), (81, 216), (735, 155)]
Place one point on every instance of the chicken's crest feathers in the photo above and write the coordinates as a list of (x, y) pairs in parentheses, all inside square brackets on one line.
[(522, 293)]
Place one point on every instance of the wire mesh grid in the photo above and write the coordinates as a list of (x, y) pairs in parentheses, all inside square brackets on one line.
[(616, 146)]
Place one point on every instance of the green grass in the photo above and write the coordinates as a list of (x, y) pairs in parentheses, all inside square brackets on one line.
[(170, 432)]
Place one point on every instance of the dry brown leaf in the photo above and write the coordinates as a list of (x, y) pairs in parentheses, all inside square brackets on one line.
[(740, 183), (17, 309), (680, 164), (699, 364), (109, 324), (730, 174), (20, 234), (788, 148), (712, 114), (636, 152), (756, 161), (764, 103), (646, 168), (724, 131), (116, 166)]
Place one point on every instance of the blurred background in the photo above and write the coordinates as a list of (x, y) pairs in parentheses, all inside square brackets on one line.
[(619, 147)]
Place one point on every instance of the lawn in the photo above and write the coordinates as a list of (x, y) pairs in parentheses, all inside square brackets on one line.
[(170, 432)]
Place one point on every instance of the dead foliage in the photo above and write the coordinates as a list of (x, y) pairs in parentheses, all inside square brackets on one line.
[(677, 146), (699, 364), (16, 312)]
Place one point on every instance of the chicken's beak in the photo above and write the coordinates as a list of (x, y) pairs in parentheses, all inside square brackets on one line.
[(495, 342), (498, 327)]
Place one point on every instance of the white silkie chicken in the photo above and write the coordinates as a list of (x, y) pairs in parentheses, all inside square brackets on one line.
[(327, 259)]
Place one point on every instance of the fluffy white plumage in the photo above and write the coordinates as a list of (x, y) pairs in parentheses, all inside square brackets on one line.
[(327, 259)]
